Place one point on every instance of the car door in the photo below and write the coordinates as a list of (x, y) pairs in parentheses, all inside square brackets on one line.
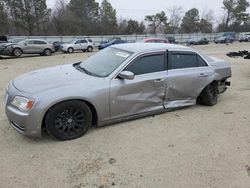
[(28, 46), (146, 92), (84, 44), (39, 46), (188, 75), (77, 45)]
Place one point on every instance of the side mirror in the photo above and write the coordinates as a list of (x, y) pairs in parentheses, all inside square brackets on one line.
[(127, 75)]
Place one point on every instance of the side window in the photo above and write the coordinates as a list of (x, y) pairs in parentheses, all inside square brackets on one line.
[(39, 42), (78, 42), (30, 42), (90, 40), (182, 60), (201, 62), (84, 41), (147, 64)]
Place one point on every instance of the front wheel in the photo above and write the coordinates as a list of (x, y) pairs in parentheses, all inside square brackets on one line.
[(209, 95), (70, 50), (68, 120), (17, 52)]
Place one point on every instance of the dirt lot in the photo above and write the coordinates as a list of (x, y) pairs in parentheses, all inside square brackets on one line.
[(193, 147)]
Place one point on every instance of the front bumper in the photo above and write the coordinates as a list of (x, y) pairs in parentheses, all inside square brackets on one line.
[(64, 48), (6, 51), (27, 123)]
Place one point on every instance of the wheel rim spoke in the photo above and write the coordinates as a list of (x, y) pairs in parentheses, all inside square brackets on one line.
[(70, 121)]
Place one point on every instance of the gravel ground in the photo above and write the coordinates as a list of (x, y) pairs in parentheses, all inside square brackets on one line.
[(194, 147)]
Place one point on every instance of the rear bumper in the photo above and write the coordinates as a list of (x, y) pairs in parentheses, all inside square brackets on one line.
[(222, 86)]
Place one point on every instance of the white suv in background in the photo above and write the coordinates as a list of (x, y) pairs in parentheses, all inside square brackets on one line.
[(244, 37), (78, 45)]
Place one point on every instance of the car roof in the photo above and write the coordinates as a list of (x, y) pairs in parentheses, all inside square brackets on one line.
[(147, 39), (36, 39), (145, 47)]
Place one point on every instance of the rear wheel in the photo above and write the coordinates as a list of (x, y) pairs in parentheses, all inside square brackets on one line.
[(68, 120), (70, 50), (17, 52), (90, 49), (47, 52), (209, 95)]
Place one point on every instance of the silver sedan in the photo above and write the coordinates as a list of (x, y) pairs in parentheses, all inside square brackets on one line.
[(120, 83)]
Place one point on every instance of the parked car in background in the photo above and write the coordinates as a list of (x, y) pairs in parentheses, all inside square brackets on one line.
[(28, 46), (109, 39), (244, 37), (119, 83), (3, 39), (197, 41), (78, 45), (16, 40), (170, 39), (225, 39), (110, 43), (155, 40), (57, 45)]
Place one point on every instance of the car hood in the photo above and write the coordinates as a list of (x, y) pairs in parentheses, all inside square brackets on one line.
[(5, 44), (52, 78)]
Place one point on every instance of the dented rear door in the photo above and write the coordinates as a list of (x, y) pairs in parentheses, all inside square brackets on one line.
[(188, 75), (145, 93)]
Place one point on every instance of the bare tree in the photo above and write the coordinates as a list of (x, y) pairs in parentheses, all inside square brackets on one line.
[(175, 17), (157, 20), (208, 14), (62, 18)]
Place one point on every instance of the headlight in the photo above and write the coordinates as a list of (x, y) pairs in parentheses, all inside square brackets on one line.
[(23, 103), (8, 46)]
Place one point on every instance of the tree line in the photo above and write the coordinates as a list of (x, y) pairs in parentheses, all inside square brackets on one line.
[(88, 17)]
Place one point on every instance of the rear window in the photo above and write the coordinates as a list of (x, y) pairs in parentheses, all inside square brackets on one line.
[(181, 60)]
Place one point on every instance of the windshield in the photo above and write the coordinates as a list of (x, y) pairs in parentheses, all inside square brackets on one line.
[(22, 42), (105, 62), (72, 42)]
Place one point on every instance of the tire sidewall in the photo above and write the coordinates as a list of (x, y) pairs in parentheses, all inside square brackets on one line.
[(47, 52), (209, 95), (90, 49), (51, 115), (17, 55), (70, 50)]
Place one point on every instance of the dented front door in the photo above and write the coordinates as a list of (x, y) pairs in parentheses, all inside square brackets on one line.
[(145, 93)]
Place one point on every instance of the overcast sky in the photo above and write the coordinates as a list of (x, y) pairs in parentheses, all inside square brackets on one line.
[(137, 9)]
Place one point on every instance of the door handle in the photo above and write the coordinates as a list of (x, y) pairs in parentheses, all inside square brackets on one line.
[(159, 80), (203, 75)]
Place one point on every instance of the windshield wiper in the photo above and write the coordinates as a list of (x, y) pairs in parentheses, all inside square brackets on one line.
[(84, 70)]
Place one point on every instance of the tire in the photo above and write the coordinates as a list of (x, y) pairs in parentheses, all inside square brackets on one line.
[(70, 50), (17, 52), (83, 50), (68, 120), (47, 52), (90, 49), (209, 96)]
